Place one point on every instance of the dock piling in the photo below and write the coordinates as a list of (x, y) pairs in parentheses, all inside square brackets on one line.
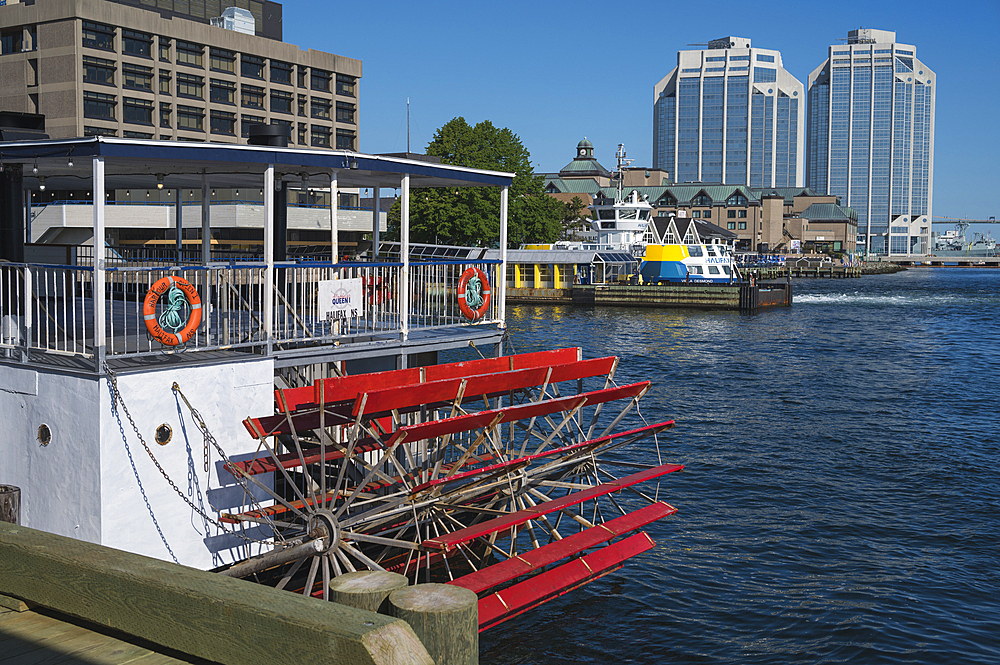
[(444, 617)]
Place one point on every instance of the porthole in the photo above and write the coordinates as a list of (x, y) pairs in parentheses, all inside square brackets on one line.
[(44, 434), (163, 434)]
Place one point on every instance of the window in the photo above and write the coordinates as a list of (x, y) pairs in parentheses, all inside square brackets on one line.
[(696, 213), (737, 199), (252, 96), (731, 226), (321, 108), (320, 80), (97, 35), (253, 67), (99, 105), (137, 43), (189, 53), (739, 57), (701, 200), (164, 115), (191, 118), (10, 41), (223, 92), (99, 131), (345, 139), (136, 135), (137, 77), (741, 213), (137, 111), (303, 76), (281, 72), (302, 133), (713, 270), (246, 121), (99, 70), (742, 226), (302, 105), (281, 102), (764, 75), (345, 85), (189, 85), (731, 214), (345, 112), (718, 58), (223, 123), (765, 58), (707, 214), (321, 136), (164, 48), (164, 82), (221, 60)]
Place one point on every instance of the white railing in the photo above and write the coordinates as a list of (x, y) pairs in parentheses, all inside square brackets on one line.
[(50, 309), (297, 317), (232, 299), (46, 308), (434, 293)]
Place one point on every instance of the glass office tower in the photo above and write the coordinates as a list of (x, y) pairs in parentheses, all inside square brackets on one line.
[(871, 139), (730, 114)]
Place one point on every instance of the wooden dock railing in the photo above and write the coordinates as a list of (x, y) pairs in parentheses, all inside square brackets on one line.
[(199, 613)]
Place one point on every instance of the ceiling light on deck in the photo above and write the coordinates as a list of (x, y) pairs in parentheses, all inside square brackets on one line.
[(159, 181), (34, 169), (354, 164), (69, 160), (41, 183)]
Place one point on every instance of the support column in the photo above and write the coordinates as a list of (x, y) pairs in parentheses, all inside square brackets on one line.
[(500, 288), (100, 277), (179, 222), (281, 222), (334, 230), (404, 257), (375, 227), (269, 255), (206, 221), (11, 214), (27, 215)]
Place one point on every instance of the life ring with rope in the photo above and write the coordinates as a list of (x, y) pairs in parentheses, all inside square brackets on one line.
[(169, 328), (474, 294)]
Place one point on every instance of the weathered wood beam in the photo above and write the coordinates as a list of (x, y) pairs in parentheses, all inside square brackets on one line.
[(193, 611)]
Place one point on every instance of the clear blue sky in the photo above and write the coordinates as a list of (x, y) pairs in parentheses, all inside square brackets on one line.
[(554, 72)]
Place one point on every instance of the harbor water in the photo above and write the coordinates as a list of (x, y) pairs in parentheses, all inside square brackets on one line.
[(840, 501)]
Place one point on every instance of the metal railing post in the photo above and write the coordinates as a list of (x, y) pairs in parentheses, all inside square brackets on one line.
[(27, 313), (269, 255), (100, 276), (404, 257)]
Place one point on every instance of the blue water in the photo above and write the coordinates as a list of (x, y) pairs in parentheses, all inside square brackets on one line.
[(841, 499)]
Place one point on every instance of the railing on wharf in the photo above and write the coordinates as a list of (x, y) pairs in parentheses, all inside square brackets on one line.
[(49, 309)]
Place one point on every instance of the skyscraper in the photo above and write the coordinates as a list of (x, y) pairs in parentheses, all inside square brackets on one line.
[(730, 114), (871, 138)]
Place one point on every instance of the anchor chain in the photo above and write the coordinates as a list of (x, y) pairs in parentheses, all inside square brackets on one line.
[(117, 397)]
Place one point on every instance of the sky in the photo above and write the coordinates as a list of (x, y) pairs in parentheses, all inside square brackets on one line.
[(555, 72)]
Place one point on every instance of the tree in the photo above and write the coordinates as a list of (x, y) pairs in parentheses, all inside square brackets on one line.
[(574, 220), (471, 215)]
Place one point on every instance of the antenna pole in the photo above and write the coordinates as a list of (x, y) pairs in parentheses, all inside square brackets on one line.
[(407, 125)]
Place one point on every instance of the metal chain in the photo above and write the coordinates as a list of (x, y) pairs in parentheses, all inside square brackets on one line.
[(210, 438), (117, 399)]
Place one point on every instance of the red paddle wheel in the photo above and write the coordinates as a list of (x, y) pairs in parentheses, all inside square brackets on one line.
[(495, 475)]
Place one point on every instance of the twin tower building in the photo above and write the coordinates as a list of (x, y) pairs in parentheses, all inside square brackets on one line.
[(732, 114)]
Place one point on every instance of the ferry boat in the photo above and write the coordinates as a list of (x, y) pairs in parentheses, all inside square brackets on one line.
[(688, 263)]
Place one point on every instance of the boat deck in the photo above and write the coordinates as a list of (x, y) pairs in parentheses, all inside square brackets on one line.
[(44, 636)]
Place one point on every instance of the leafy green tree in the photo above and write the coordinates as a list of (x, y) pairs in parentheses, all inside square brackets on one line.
[(471, 215), (574, 220)]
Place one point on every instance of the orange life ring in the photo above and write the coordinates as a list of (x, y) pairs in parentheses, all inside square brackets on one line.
[(483, 294), (153, 325)]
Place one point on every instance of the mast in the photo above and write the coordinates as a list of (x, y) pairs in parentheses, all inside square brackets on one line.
[(407, 125), (622, 165)]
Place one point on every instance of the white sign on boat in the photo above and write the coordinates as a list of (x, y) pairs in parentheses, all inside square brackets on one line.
[(341, 298)]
